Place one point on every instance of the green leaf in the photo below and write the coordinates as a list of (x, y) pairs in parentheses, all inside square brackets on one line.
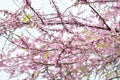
[(81, 69), (117, 73), (36, 73), (84, 31), (24, 19), (118, 39), (46, 54), (28, 16), (57, 75), (119, 51), (109, 74), (87, 76), (101, 45), (68, 72)]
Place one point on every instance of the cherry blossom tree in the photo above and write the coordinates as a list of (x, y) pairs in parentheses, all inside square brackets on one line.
[(77, 42)]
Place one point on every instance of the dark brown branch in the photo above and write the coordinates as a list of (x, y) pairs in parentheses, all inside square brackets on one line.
[(59, 15), (93, 2), (108, 28), (78, 24), (35, 12), (69, 63)]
